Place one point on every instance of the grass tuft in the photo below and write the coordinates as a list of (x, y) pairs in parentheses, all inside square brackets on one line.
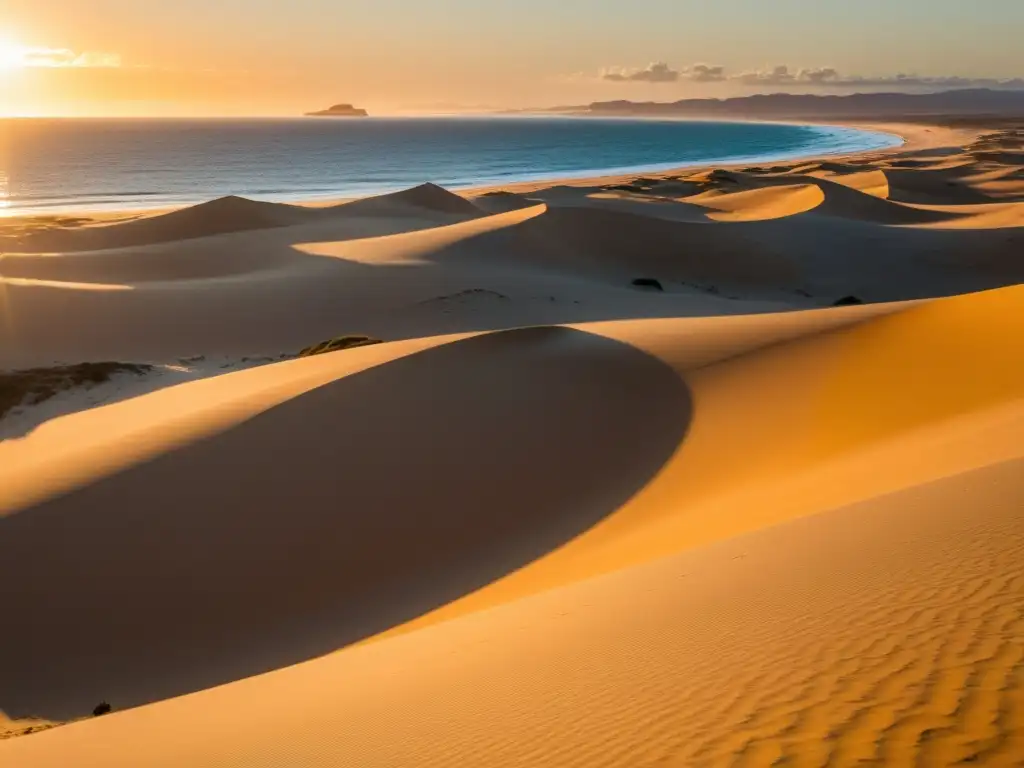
[(337, 344), (36, 385)]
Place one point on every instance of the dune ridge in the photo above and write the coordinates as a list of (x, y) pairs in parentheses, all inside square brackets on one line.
[(553, 518)]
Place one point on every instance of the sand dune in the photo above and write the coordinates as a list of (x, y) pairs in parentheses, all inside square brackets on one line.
[(773, 202), (503, 202), (855, 649), (624, 244), (278, 290), (558, 518), (235, 214), (427, 197), (226, 214), (506, 383), (848, 202), (605, 617)]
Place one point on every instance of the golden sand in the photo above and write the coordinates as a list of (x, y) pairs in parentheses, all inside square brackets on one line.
[(559, 518)]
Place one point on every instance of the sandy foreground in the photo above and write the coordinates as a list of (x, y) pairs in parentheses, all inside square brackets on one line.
[(557, 517)]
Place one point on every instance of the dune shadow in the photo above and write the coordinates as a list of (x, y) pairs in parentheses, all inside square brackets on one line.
[(269, 292), (329, 518), (234, 215), (266, 293)]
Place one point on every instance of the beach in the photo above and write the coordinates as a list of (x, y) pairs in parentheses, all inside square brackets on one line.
[(706, 466), (915, 136)]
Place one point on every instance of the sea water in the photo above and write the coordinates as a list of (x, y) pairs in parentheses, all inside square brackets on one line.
[(59, 165)]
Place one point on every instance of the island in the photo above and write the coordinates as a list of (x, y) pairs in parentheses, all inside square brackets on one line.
[(339, 110)]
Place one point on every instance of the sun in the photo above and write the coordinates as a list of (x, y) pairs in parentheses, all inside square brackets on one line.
[(12, 55)]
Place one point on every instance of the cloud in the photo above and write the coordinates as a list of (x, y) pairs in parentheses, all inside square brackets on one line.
[(779, 75), (658, 72), (704, 73), (64, 57), (819, 76)]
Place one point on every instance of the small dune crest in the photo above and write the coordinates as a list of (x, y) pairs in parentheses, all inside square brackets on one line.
[(435, 198), (942, 187), (428, 197), (613, 242), (772, 202), (847, 202), (216, 217), (873, 182), (723, 178), (503, 202), (233, 214)]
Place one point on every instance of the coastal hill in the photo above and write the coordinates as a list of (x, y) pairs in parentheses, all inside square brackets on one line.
[(339, 110), (973, 101)]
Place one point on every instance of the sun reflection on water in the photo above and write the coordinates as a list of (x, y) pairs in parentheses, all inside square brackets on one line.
[(5, 195)]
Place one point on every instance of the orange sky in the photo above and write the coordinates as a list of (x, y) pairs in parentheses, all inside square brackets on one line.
[(239, 57)]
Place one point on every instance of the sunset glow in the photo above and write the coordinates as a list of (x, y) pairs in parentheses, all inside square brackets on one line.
[(511, 383), (143, 57), (12, 55)]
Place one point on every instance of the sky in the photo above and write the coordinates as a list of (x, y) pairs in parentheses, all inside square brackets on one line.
[(281, 57)]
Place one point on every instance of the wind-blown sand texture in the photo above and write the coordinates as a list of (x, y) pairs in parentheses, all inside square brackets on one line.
[(556, 518)]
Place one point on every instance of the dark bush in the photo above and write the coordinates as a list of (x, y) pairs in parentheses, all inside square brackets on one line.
[(36, 385), (103, 708), (648, 282), (338, 343), (635, 188), (847, 301)]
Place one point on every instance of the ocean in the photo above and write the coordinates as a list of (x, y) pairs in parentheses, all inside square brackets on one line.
[(60, 165)]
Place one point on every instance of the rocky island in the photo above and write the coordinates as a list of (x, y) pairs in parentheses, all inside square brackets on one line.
[(339, 110)]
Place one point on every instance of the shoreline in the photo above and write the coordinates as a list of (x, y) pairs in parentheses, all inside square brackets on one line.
[(915, 137)]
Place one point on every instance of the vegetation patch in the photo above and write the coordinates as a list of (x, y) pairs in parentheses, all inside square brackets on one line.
[(37, 385), (27, 729), (337, 344), (634, 188), (848, 301), (648, 283)]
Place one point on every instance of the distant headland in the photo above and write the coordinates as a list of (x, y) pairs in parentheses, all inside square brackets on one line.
[(786, 106), (339, 110)]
